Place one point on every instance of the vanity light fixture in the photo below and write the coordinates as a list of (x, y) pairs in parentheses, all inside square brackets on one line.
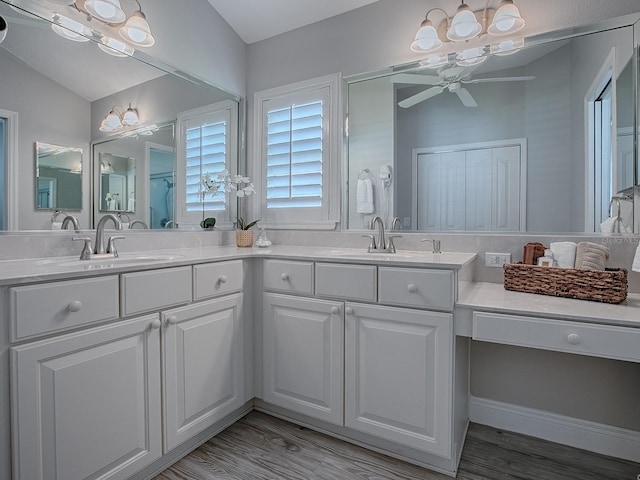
[(70, 29), (119, 118), (107, 11), (136, 30), (466, 25)]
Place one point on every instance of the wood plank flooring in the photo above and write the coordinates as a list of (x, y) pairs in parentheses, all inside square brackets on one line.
[(262, 447)]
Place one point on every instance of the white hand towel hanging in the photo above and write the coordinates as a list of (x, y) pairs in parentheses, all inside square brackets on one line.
[(364, 196), (636, 260)]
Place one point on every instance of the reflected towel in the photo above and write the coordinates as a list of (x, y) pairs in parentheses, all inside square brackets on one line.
[(564, 254), (56, 225), (591, 256), (614, 225), (636, 260), (364, 196), (126, 225), (131, 207)]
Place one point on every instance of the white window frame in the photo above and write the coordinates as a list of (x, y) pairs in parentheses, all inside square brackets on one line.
[(326, 217), (225, 218)]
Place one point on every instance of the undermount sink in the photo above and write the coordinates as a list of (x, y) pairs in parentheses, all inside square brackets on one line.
[(110, 261), (355, 253)]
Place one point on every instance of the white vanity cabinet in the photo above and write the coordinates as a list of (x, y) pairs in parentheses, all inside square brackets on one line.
[(302, 355), (202, 366), (398, 375), (87, 404)]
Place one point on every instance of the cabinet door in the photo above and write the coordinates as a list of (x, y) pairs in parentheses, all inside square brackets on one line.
[(87, 405), (202, 366), (398, 370), (302, 348)]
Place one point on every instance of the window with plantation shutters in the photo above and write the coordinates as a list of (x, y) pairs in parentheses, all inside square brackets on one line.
[(297, 153), (207, 144)]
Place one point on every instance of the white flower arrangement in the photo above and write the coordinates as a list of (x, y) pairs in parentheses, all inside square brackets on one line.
[(227, 183)]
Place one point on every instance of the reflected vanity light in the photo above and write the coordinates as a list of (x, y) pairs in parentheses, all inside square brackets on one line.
[(508, 47), (106, 167), (115, 47), (70, 29), (108, 11), (119, 118), (435, 61), (470, 56), (466, 25)]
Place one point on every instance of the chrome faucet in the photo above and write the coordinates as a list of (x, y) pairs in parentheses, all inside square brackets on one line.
[(70, 219), (436, 244), (381, 245), (396, 224), (100, 248), (138, 222)]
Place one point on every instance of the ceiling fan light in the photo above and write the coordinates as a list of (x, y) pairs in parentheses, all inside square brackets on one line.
[(108, 11), (130, 117), (470, 56), (464, 25), (137, 30), (115, 47), (506, 20), (427, 39), (70, 29)]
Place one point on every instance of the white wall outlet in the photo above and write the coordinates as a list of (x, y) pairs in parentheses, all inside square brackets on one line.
[(496, 259)]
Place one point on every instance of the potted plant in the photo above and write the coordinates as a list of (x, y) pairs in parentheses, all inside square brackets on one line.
[(243, 187)]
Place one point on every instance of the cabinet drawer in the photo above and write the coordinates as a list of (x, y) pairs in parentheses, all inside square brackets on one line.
[(215, 279), (156, 289), (50, 307), (352, 282), (285, 276), (416, 287), (548, 334)]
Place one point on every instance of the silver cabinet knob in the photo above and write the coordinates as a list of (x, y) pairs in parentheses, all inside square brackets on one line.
[(412, 288), (335, 310), (284, 277), (74, 306), (573, 338), (155, 324), (348, 311), (222, 279), (173, 319)]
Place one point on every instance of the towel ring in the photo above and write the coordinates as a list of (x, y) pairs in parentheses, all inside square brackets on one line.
[(55, 215)]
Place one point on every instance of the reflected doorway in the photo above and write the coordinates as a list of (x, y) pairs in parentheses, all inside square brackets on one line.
[(3, 156), (162, 162)]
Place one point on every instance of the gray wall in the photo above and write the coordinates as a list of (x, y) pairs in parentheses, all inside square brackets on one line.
[(47, 112)]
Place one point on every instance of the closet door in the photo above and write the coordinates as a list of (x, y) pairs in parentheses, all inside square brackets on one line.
[(479, 202), (428, 202), (506, 189)]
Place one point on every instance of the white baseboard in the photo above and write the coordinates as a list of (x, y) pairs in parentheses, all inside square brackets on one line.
[(595, 437)]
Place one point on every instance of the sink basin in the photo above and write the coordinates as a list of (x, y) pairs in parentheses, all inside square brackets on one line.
[(108, 262), (355, 253)]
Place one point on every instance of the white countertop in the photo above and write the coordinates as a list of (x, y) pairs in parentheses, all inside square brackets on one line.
[(57, 268), (493, 297)]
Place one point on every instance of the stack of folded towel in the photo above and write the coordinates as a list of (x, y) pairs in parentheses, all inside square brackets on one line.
[(564, 254), (591, 256), (581, 256)]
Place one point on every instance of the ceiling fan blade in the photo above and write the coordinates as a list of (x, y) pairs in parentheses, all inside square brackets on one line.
[(499, 79), (466, 98), (415, 79), (420, 97)]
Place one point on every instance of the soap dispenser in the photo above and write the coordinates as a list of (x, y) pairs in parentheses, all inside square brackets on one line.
[(262, 240)]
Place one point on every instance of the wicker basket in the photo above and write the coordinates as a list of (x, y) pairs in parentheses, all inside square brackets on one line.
[(608, 286)]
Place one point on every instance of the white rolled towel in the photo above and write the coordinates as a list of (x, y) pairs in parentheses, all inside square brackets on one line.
[(56, 225), (636, 260), (564, 253), (131, 207), (364, 196)]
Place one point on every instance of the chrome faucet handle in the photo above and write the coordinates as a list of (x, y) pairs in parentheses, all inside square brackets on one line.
[(111, 244), (372, 242), (391, 248), (436, 244), (87, 249), (396, 224)]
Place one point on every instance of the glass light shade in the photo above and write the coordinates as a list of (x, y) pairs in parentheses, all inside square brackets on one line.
[(464, 25), (130, 117), (70, 29), (508, 47), (506, 20), (426, 38), (108, 11), (111, 122), (470, 56), (137, 30), (115, 47), (435, 61)]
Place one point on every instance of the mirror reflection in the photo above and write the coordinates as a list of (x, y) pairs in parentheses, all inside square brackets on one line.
[(540, 140), (58, 177)]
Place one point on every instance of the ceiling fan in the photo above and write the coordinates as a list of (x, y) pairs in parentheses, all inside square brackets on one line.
[(452, 79)]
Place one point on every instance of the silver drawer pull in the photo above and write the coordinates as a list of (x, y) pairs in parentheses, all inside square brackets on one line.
[(348, 311), (335, 310), (412, 288), (284, 277), (155, 324), (222, 279), (573, 338), (173, 319), (74, 306)]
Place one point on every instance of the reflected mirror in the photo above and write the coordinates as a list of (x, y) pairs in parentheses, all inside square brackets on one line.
[(58, 181), (537, 140), (61, 91)]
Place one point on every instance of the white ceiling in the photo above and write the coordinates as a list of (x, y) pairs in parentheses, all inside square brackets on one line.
[(256, 20)]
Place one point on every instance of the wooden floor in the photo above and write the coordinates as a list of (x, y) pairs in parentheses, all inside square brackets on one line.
[(263, 447)]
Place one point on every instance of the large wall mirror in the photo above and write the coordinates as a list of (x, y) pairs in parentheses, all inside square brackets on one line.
[(58, 177), (537, 138), (61, 92)]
